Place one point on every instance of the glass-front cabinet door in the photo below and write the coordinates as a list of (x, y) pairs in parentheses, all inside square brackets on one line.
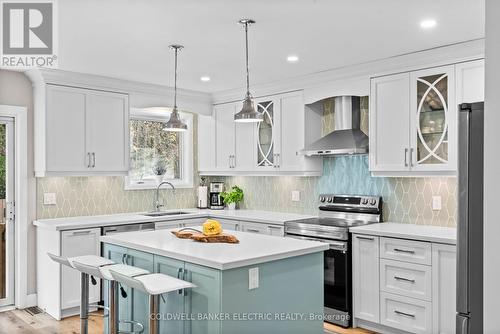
[(433, 120), (267, 134)]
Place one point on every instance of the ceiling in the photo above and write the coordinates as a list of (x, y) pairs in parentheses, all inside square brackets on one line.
[(129, 38)]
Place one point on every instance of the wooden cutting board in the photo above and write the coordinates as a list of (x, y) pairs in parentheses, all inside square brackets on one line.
[(191, 233)]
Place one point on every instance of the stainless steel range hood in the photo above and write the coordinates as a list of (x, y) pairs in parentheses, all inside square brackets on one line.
[(346, 138)]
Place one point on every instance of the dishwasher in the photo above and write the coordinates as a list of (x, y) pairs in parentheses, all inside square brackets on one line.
[(128, 228)]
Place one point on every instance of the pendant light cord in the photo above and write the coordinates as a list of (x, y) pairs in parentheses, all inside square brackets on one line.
[(246, 58), (175, 81)]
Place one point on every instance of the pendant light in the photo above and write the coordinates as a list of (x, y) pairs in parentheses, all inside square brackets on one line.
[(248, 113), (175, 123)]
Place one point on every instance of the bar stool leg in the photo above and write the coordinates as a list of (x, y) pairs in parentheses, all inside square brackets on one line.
[(84, 303), (113, 307), (154, 301)]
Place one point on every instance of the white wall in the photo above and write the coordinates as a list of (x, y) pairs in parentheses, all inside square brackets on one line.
[(492, 170), (16, 89)]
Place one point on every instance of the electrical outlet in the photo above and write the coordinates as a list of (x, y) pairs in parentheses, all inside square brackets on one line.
[(49, 199), (436, 203), (295, 196), (253, 278)]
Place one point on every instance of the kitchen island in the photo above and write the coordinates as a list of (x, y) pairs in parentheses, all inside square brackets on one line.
[(262, 284)]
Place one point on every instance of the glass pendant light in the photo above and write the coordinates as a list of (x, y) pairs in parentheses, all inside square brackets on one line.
[(248, 113), (175, 123)]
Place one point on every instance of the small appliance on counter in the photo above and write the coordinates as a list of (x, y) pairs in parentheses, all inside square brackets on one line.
[(216, 201), (336, 214), (202, 195)]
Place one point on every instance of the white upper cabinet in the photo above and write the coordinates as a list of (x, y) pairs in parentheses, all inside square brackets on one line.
[(82, 132), (266, 148), (413, 118), (389, 106)]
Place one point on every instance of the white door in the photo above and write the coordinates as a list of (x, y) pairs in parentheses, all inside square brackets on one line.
[(107, 134), (365, 274), (66, 130), (244, 141), (267, 134), (224, 135), (433, 120), (444, 288), (389, 123), (7, 223), (470, 81), (290, 125)]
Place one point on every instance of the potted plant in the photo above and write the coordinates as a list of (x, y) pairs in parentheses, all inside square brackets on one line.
[(232, 197), (159, 170)]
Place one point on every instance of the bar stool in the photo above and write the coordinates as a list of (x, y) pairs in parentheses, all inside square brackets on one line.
[(154, 285), (102, 272)]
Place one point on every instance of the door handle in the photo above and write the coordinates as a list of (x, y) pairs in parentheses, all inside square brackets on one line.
[(89, 164), (406, 157), (185, 278), (179, 274), (278, 160), (411, 157), (123, 258), (93, 159)]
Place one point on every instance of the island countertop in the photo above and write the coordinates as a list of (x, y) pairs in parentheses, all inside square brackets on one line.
[(252, 249)]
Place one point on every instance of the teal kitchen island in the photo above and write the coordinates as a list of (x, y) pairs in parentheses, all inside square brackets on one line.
[(264, 284)]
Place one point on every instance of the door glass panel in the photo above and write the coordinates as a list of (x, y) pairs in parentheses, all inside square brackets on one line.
[(432, 123), (3, 257), (265, 133)]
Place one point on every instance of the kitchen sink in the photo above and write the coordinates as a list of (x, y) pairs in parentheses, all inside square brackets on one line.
[(164, 213)]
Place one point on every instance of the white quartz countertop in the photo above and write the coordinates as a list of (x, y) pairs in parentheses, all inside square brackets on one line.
[(252, 249), (445, 235), (72, 223)]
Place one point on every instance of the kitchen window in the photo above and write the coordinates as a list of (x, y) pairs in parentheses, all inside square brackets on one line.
[(157, 155)]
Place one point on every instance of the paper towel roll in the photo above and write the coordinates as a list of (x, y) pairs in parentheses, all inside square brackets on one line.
[(202, 197)]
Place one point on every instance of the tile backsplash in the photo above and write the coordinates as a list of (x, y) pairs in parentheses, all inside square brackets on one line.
[(406, 200)]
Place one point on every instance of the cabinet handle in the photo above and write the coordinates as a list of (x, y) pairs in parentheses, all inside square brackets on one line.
[(123, 258), (278, 160), (89, 164), (234, 161), (404, 251), (179, 274), (252, 230), (93, 159), (81, 232), (274, 227), (405, 314), (185, 278), (365, 238), (406, 157), (411, 157), (404, 279)]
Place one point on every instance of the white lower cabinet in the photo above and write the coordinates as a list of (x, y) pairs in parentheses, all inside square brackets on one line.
[(77, 243), (403, 285), (365, 274)]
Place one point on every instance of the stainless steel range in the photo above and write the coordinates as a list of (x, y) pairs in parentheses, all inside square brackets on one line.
[(336, 214)]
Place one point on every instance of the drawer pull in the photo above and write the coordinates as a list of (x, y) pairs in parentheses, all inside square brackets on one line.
[(81, 232), (405, 314), (252, 230), (365, 238), (404, 279), (404, 251), (274, 227)]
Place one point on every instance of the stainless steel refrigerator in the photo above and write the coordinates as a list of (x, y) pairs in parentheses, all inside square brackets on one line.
[(470, 219)]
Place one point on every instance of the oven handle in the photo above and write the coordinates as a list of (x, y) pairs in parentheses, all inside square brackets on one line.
[(337, 245)]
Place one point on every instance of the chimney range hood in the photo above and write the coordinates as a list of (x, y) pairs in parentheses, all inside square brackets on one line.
[(347, 137)]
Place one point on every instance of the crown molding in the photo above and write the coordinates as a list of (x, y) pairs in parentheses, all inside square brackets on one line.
[(360, 74)]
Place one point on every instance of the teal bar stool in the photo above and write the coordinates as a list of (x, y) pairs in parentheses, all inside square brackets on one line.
[(154, 285)]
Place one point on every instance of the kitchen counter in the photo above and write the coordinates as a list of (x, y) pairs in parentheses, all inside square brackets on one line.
[(252, 249), (445, 235), (71, 223)]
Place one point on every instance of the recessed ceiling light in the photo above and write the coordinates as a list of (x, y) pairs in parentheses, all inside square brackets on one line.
[(292, 59), (205, 79), (427, 24)]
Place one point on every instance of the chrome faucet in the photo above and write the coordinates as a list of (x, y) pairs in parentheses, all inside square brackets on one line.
[(156, 203)]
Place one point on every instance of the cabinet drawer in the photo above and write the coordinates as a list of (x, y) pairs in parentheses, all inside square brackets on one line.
[(406, 250), (408, 314), (408, 279)]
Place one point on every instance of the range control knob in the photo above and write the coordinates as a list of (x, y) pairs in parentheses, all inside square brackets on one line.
[(373, 201), (322, 199), (330, 199), (364, 201)]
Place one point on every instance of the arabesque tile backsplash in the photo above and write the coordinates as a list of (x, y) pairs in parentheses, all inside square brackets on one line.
[(406, 200)]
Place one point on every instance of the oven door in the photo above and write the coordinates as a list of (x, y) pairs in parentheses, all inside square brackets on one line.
[(337, 280)]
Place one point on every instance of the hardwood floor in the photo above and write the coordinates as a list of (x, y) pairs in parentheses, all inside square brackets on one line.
[(21, 322)]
